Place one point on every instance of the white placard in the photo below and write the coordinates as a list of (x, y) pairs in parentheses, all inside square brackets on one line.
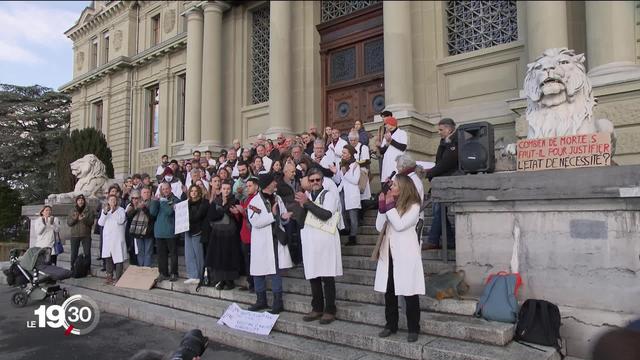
[(426, 164), (259, 323), (181, 210)]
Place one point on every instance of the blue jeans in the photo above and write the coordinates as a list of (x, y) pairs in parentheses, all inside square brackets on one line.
[(436, 228), (145, 251), (193, 255), (260, 283)]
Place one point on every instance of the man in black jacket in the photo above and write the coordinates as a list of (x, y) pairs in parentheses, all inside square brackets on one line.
[(446, 165)]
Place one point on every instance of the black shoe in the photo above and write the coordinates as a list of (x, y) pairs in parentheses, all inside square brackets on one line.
[(161, 278), (385, 333), (412, 337), (243, 288), (220, 285), (261, 302), (229, 285), (173, 278), (278, 305)]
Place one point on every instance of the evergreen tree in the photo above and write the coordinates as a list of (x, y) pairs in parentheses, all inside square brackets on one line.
[(33, 120), (77, 145), (10, 211)]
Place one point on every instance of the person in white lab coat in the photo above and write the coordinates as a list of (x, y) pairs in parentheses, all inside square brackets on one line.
[(113, 220), (399, 270), (363, 158), (320, 246), (348, 176), (267, 214), (393, 145)]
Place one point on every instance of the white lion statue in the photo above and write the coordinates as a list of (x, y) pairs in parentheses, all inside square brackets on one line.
[(559, 96), (91, 175)]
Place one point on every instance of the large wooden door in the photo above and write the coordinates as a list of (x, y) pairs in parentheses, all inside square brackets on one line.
[(352, 55)]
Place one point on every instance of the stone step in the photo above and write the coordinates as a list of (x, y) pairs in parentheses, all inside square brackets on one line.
[(352, 292), (365, 315), (366, 250), (277, 344), (364, 263)]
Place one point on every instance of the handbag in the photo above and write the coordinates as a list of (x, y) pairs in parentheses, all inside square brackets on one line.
[(57, 244)]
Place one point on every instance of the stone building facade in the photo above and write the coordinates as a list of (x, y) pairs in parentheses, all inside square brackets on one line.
[(163, 77)]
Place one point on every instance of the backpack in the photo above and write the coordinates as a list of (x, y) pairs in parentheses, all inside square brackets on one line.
[(539, 323), (498, 301), (80, 268)]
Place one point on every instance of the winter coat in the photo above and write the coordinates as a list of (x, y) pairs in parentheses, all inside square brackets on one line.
[(349, 186), (361, 156), (402, 242), (391, 152), (113, 235), (446, 158), (263, 257), (46, 233), (165, 222), (80, 228), (197, 214), (320, 249)]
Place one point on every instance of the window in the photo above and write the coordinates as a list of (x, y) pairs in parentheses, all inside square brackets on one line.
[(334, 9), (182, 82), (153, 114), (94, 53), (105, 48), (97, 115), (155, 30), (474, 25), (260, 55)]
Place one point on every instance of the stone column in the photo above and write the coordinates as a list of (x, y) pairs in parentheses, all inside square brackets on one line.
[(546, 26), (211, 120), (194, 78), (611, 36), (280, 94), (398, 57)]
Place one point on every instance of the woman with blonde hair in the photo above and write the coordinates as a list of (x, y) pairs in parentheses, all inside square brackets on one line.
[(399, 271), (46, 228)]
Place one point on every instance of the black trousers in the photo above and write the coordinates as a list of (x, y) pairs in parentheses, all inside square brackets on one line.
[(323, 302), (391, 306), (167, 247), (246, 254), (86, 247)]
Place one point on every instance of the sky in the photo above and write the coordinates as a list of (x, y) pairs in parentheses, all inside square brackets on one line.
[(33, 47)]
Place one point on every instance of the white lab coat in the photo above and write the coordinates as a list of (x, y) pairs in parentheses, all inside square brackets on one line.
[(362, 154), (336, 151), (113, 240), (349, 186), (320, 249), (389, 160), (263, 261), (328, 184), (45, 233), (267, 162), (402, 241)]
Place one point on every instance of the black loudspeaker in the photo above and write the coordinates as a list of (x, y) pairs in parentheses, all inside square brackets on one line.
[(475, 148)]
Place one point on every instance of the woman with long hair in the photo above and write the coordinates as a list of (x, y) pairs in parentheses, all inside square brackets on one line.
[(399, 271), (224, 252), (276, 168), (46, 228), (193, 252), (349, 175), (214, 189)]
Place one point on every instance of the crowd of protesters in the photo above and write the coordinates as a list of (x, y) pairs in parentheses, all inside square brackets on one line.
[(257, 210)]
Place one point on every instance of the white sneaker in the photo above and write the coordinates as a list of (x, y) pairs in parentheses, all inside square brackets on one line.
[(191, 281)]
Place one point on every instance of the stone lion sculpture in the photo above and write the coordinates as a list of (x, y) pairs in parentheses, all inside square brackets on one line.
[(559, 96), (91, 175)]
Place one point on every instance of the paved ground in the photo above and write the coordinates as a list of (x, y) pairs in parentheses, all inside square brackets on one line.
[(115, 337)]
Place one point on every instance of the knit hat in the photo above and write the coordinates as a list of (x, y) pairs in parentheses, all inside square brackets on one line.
[(167, 171), (265, 179), (391, 121)]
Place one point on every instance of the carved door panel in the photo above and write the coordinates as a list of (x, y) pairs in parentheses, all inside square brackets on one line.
[(373, 100), (343, 108)]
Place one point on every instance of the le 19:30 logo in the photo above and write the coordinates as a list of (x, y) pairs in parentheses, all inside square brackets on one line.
[(78, 315)]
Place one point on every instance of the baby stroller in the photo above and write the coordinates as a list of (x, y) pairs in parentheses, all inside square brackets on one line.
[(35, 276)]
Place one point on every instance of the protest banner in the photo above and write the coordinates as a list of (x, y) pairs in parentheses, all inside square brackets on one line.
[(181, 210), (259, 323), (564, 152)]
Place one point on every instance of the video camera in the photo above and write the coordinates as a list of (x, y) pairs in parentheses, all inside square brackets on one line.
[(193, 344)]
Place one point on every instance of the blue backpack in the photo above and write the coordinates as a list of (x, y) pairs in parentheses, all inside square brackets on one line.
[(498, 301)]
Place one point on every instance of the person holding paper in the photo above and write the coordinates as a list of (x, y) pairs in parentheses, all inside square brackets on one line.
[(114, 248), (193, 252), (348, 177), (267, 215), (320, 246), (164, 230), (399, 270)]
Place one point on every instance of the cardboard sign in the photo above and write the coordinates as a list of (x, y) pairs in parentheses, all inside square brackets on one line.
[(564, 152), (181, 210), (138, 277), (259, 323)]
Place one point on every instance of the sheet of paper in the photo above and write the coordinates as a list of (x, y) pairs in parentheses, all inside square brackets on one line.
[(426, 164), (259, 323), (182, 216)]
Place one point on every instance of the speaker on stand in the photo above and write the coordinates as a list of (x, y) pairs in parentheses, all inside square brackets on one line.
[(475, 148)]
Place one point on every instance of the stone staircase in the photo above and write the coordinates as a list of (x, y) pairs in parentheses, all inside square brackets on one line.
[(449, 331)]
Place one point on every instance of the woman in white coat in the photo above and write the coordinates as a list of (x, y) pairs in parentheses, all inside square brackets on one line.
[(320, 247), (363, 157), (348, 176), (399, 270), (46, 228), (267, 214), (114, 248)]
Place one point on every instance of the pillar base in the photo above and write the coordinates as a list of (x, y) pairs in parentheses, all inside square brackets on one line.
[(213, 146), (276, 130), (614, 72)]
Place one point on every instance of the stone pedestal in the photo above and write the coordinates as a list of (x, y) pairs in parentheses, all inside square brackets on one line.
[(578, 240)]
